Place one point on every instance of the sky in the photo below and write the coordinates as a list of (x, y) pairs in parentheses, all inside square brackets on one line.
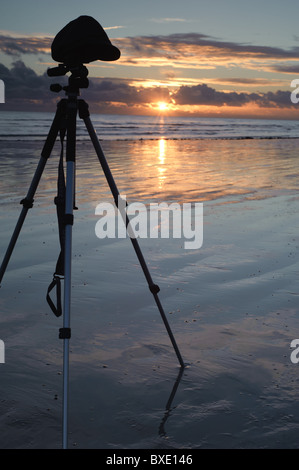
[(211, 58)]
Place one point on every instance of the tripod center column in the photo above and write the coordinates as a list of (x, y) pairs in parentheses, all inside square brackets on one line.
[(69, 205)]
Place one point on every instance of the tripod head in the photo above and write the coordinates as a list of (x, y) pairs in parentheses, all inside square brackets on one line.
[(77, 80)]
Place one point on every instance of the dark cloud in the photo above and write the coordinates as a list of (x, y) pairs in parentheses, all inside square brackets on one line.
[(243, 81), (24, 45), (293, 69), (20, 79), (24, 88), (122, 92), (205, 95), (278, 99)]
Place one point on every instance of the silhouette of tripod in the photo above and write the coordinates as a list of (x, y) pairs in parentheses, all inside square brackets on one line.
[(64, 122)]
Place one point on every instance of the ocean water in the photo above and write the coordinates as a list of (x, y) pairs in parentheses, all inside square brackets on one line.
[(35, 126)]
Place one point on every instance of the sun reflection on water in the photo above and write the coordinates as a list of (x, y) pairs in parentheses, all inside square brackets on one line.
[(161, 167)]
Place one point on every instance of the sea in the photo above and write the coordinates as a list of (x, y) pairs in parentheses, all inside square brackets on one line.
[(35, 126)]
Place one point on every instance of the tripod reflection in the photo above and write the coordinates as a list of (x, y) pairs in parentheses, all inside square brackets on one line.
[(168, 408)]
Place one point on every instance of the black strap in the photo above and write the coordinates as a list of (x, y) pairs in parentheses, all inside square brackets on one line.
[(56, 309), (60, 209)]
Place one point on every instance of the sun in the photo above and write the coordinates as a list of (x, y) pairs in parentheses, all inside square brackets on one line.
[(162, 106)]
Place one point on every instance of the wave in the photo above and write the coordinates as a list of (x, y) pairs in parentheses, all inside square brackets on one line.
[(35, 126), (123, 139)]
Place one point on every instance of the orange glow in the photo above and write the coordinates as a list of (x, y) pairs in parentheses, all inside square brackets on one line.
[(162, 106)]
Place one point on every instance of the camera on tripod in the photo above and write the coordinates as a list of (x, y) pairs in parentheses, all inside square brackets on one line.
[(80, 42)]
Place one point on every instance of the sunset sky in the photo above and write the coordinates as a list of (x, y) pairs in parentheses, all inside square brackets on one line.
[(230, 58)]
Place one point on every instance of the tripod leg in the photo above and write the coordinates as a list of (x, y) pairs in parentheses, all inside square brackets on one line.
[(28, 200), (153, 287)]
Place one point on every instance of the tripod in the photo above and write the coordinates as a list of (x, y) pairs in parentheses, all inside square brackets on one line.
[(65, 121)]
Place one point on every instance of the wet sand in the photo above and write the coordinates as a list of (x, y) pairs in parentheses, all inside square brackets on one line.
[(232, 304)]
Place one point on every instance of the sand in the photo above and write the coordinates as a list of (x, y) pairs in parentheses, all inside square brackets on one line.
[(232, 304)]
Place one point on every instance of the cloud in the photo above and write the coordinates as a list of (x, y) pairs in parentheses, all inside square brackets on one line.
[(243, 81), (20, 79), (203, 95), (24, 88), (293, 69), (278, 99), (27, 90), (247, 82), (25, 45), (114, 27), (195, 50), (121, 91), (192, 50), (169, 20), (16, 45)]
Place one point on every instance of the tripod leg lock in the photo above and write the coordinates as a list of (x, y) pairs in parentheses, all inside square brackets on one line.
[(27, 203), (154, 289), (68, 219), (64, 333)]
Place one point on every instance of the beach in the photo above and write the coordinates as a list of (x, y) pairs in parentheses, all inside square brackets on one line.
[(232, 304)]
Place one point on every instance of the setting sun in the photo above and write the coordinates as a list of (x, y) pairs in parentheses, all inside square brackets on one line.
[(162, 106)]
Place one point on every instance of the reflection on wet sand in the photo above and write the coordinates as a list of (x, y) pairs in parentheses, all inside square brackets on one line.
[(165, 170), (168, 408), (233, 303)]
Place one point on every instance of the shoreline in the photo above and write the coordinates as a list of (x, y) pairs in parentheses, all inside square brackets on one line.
[(124, 127), (33, 139)]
